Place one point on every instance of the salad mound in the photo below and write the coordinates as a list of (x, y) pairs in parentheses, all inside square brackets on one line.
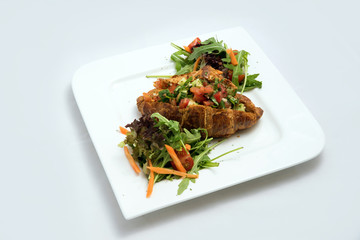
[(232, 63), (165, 151)]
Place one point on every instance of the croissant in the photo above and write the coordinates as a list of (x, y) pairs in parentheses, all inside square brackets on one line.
[(218, 122)]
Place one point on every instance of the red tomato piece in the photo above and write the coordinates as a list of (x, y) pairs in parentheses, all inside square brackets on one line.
[(194, 43), (208, 103), (147, 97), (199, 98), (184, 103), (185, 159), (198, 94), (208, 89), (195, 90), (172, 88), (218, 97), (230, 75), (241, 78), (223, 90), (158, 84)]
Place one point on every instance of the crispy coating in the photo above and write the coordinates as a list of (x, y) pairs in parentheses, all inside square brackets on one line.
[(218, 122)]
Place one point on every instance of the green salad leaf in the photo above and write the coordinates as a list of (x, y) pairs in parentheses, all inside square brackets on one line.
[(184, 62), (149, 135), (216, 47)]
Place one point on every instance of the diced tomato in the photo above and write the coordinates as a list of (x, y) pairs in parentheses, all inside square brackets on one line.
[(157, 84), (202, 90), (195, 90), (184, 102), (208, 103), (198, 94), (208, 89), (194, 43), (199, 98), (223, 90), (185, 159), (172, 88), (241, 78), (218, 97), (147, 97), (160, 84), (230, 75)]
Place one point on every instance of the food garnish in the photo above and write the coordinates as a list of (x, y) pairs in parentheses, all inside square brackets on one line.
[(232, 63), (202, 98), (164, 150)]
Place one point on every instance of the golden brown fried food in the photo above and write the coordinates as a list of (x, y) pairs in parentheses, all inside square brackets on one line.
[(218, 122)]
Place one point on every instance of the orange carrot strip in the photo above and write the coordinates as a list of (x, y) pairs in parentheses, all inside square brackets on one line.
[(151, 181), (123, 130), (196, 64), (232, 57), (187, 146), (187, 49), (131, 160), (171, 171), (175, 158)]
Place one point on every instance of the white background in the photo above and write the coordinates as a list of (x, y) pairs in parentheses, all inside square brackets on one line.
[(52, 185)]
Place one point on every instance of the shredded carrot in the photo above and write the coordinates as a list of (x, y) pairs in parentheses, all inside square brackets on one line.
[(232, 57), (131, 160), (196, 64), (151, 181), (123, 130), (187, 49), (171, 171), (175, 159), (187, 146)]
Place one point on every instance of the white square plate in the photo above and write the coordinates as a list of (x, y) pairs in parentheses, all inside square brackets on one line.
[(106, 92)]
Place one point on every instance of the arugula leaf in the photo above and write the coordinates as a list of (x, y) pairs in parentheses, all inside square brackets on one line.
[(183, 185), (176, 57), (185, 69), (209, 41), (161, 120), (199, 157), (210, 48), (239, 69), (191, 137), (252, 83), (183, 51), (206, 162)]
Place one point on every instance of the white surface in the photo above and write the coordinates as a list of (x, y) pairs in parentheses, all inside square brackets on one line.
[(106, 91), (52, 183)]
